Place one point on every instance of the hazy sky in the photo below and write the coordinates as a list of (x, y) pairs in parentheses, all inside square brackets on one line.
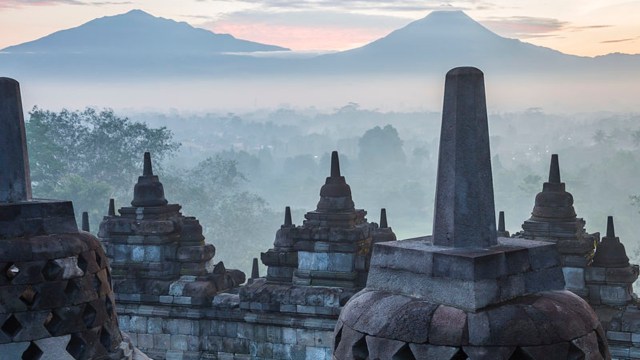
[(581, 27)]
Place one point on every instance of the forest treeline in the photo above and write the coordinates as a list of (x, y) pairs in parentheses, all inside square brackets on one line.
[(237, 172)]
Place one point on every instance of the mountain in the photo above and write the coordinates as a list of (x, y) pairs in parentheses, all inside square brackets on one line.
[(137, 44), (442, 40), (137, 32)]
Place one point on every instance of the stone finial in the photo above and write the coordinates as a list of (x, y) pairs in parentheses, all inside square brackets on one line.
[(335, 194), (112, 207), (149, 190), (611, 231), (383, 218), (501, 226), (464, 209), (502, 231), (554, 170), (610, 252), (147, 169), (287, 217), (15, 182), (85, 221), (554, 202), (255, 271), (335, 164)]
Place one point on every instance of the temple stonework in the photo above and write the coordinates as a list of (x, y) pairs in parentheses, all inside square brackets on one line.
[(464, 293), (337, 286), (56, 300)]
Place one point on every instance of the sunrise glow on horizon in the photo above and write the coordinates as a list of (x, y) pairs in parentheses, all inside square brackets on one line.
[(587, 28)]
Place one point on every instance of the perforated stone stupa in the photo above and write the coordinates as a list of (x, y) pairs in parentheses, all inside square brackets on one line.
[(56, 300), (464, 293)]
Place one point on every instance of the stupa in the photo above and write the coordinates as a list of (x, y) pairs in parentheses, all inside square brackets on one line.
[(464, 293), (56, 300)]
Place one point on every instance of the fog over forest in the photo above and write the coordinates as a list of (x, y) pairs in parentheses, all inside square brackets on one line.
[(237, 172)]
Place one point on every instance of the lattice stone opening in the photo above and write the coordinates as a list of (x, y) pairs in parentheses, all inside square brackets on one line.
[(520, 354), (108, 304), (82, 263), (33, 352), (360, 350), (11, 271), (336, 341), (89, 315), (76, 347), (52, 323), (71, 289), (404, 353), (11, 326), (97, 283), (460, 355), (105, 338), (575, 353), (29, 296), (52, 271)]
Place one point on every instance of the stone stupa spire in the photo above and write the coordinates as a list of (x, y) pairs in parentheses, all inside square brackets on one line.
[(464, 209), (335, 194), (149, 190), (445, 296), (610, 252)]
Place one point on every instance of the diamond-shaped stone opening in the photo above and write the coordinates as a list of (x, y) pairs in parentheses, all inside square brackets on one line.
[(460, 355), (33, 352), (105, 339), (336, 341), (11, 271), (404, 353), (76, 347), (53, 323), (602, 346), (108, 304), (97, 283), (98, 259), (29, 296), (520, 354), (360, 350), (575, 353), (82, 263), (89, 316), (72, 288), (52, 271), (11, 326)]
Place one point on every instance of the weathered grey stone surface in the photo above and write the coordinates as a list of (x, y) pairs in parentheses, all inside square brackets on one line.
[(56, 300), (464, 290), (464, 213), (15, 182)]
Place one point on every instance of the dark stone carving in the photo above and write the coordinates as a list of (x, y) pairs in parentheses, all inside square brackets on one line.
[(464, 292), (610, 251), (53, 288)]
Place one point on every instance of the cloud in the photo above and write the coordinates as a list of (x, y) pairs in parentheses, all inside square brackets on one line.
[(619, 40), (367, 5), (306, 29), (525, 26), (24, 3)]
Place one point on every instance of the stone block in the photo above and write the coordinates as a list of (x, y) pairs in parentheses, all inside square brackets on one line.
[(407, 255), (137, 253), (594, 274), (574, 278), (145, 341), (469, 264), (179, 342), (325, 261), (619, 336), (614, 295), (543, 280), (162, 341), (625, 275)]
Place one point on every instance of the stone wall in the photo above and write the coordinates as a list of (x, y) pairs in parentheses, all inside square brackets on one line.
[(231, 329)]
